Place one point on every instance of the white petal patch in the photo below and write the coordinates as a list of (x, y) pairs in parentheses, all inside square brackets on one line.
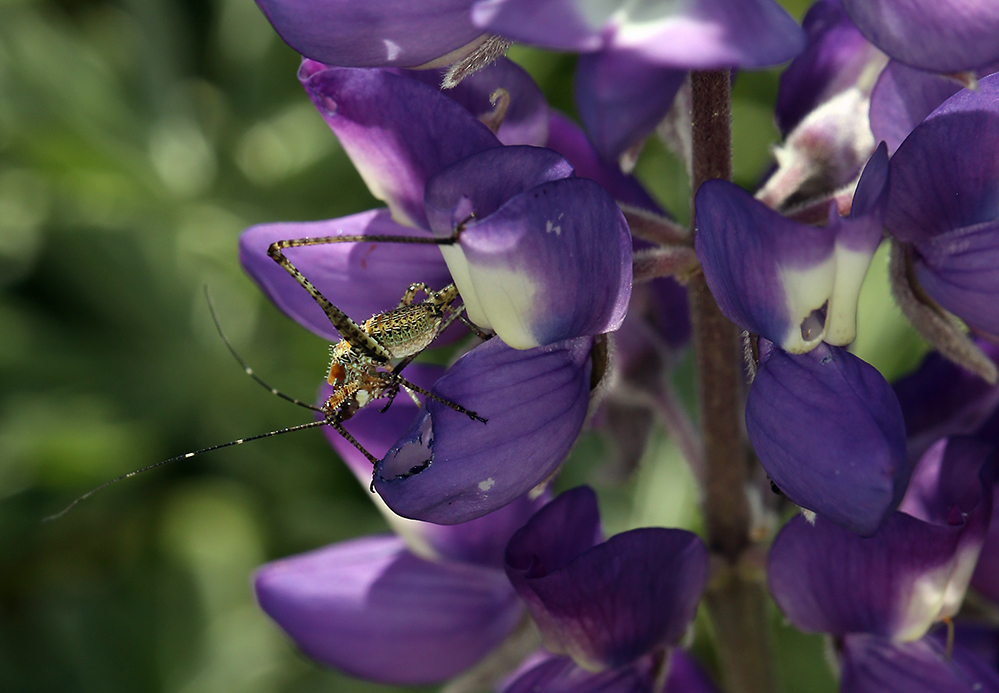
[(841, 316), (805, 292), (392, 49), (487, 484), (454, 256), (507, 298)]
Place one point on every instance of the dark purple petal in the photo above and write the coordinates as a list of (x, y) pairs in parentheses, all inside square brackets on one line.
[(621, 98), (944, 176), (936, 35), (872, 664), (827, 579), (562, 675), (960, 270), (481, 541), (791, 283), (359, 278), (686, 676), (952, 486), (942, 399), (828, 430), (837, 58), (546, 256), (608, 605), (566, 138), (986, 576), (372, 34), (374, 610), (449, 469), (397, 131), (703, 34), (525, 121), (903, 97)]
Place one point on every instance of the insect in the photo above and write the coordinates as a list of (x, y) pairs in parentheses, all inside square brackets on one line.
[(361, 368)]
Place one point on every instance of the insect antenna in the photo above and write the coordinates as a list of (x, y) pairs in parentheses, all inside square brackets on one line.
[(246, 368), (187, 455)]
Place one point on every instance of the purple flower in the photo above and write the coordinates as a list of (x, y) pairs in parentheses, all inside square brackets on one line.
[(943, 204), (937, 35), (604, 604), (829, 432), (417, 608), (880, 595), (822, 111), (634, 58), (379, 33), (793, 284)]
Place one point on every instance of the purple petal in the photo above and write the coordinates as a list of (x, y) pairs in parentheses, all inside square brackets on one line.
[(952, 486), (373, 34), (942, 399), (359, 278), (702, 34), (621, 98), (562, 675), (942, 178), (827, 579), (828, 430), (397, 131), (544, 256), (872, 664), (449, 469), (837, 58), (686, 675), (903, 97), (567, 139), (986, 575), (481, 541), (960, 270), (608, 605), (525, 121), (936, 35), (376, 611), (791, 283)]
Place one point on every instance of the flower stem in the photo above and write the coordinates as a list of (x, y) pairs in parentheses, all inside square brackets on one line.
[(736, 601)]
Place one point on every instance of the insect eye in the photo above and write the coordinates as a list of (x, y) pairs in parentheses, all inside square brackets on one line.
[(337, 375)]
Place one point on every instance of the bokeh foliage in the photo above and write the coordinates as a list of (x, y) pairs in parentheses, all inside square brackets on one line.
[(137, 139)]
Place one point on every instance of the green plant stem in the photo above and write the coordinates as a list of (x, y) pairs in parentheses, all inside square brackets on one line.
[(736, 599)]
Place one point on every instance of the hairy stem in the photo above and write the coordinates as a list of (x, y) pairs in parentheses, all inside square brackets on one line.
[(736, 601)]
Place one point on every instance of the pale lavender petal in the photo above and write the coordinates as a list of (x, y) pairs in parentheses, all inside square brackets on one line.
[(872, 664), (526, 119), (828, 430), (937, 35), (837, 58), (543, 257), (376, 611), (448, 468), (372, 34), (397, 131), (608, 605), (621, 98), (359, 278), (701, 34)]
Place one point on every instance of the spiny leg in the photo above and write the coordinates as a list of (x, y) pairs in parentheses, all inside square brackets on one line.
[(338, 427), (415, 288), (348, 329), (426, 393)]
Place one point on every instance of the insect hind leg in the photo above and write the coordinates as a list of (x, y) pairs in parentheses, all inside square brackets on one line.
[(426, 393)]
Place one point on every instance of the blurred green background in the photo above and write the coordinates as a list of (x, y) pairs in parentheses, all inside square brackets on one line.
[(137, 139)]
